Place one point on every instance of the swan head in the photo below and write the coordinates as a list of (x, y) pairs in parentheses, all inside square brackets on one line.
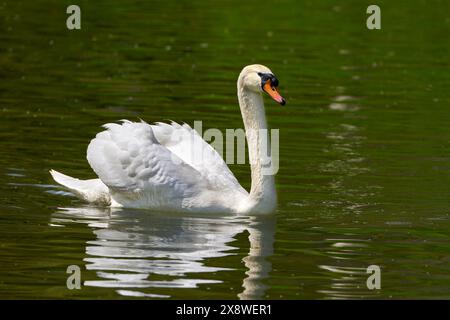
[(259, 78)]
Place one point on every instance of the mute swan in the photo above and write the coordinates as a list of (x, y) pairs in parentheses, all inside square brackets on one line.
[(151, 166)]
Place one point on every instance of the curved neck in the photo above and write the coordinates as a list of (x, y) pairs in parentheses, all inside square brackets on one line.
[(262, 193)]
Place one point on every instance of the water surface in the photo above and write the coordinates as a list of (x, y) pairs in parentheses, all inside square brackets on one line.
[(364, 173)]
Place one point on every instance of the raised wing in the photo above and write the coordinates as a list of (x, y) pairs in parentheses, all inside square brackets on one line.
[(139, 171), (189, 146)]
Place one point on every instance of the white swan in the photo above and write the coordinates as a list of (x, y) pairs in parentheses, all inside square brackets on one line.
[(152, 166)]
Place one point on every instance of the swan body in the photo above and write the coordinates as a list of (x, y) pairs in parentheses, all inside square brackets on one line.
[(170, 167)]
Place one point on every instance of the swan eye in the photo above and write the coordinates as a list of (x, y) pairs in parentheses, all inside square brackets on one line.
[(268, 76), (274, 81)]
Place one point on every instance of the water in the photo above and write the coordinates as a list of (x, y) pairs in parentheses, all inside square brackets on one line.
[(365, 148)]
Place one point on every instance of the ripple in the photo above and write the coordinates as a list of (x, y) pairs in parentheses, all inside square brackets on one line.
[(342, 107), (132, 293)]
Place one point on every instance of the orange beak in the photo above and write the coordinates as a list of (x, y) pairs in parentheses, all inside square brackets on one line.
[(272, 91)]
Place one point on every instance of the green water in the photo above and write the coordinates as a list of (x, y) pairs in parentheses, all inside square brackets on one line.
[(364, 173)]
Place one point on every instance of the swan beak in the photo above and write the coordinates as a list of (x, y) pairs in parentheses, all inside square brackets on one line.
[(272, 91)]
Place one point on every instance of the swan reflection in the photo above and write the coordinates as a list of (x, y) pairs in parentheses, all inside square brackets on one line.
[(134, 249)]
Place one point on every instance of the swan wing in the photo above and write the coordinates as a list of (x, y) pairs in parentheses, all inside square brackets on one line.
[(138, 170), (189, 146)]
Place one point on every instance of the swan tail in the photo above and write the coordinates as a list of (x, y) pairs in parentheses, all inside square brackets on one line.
[(93, 190)]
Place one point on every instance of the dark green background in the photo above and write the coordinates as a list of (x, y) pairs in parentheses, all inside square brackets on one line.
[(364, 155)]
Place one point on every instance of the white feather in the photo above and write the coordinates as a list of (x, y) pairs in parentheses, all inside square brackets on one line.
[(170, 167)]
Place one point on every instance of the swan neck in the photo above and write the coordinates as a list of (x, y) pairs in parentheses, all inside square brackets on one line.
[(262, 193)]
